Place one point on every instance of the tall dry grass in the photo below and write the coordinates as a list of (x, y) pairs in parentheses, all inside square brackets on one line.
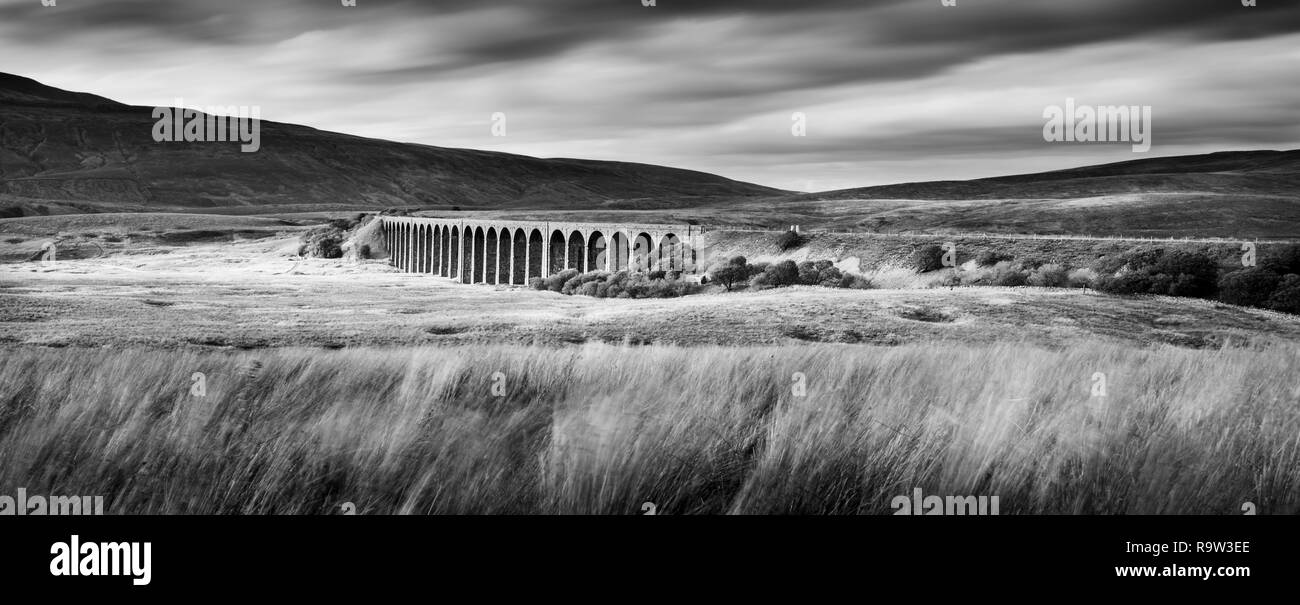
[(602, 429)]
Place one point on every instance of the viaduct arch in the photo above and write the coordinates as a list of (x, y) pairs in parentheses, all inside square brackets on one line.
[(512, 252)]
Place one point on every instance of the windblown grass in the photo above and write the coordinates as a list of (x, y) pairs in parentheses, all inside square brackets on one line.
[(602, 429)]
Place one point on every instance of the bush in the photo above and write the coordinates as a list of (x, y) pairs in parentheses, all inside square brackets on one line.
[(1132, 282), (555, 283), (731, 273), (1193, 274), (1286, 297), (819, 273), (855, 282), (1008, 275), (988, 258), (1250, 287), (322, 247), (364, 251), (622, 284), (1283, 261), (784, 273), (790, 240), (1050, 276), (928, 258), (576, 283), (1082, 278), (1176, 273)]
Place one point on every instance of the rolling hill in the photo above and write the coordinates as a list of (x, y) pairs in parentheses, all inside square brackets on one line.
[(68, 152), (1228, 172), (1235, 194)]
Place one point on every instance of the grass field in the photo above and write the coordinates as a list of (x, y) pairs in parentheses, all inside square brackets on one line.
[(603, 429), (328, 382), (256, 304)]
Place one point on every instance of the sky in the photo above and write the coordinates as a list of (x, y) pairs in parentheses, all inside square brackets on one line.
[(882, 92)]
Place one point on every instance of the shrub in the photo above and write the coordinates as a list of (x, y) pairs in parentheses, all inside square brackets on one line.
[(1193, 274), (1006, 274), (855, 282), (623, 284), (1284, 260), (576, 283), (784, 273), (1251, 287), (928, 258), (1082, 278), (1131, 282), (1286, 297), (731, 273), (657, 275), (555, 283), (1176, 273), (988, 258), (322, 247), (1050, 276), (819, 273), (364, 251), (790, 240)]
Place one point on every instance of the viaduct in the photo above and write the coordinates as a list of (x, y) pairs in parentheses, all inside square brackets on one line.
[(512, 252)]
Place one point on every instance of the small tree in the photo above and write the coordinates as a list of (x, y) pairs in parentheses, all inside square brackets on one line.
[(784, 273), (734, 271), (928, 258), (790, 240)]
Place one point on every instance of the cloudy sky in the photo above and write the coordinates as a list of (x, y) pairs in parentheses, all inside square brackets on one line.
[(892, 90)]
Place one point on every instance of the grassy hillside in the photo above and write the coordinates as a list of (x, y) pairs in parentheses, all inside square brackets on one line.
[(602, 429), (1232, 173), (62, 152), (1242, 194)]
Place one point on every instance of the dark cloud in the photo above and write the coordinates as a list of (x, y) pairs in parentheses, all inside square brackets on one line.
[(705, 84)]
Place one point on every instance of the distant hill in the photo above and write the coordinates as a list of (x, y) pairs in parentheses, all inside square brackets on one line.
[(1230, 172), (64, 152), (1236, 194)]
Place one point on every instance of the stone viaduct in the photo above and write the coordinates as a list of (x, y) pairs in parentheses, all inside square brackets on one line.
[(512, 252)]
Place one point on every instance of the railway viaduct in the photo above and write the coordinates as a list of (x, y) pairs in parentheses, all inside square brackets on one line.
[(512, 252)]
